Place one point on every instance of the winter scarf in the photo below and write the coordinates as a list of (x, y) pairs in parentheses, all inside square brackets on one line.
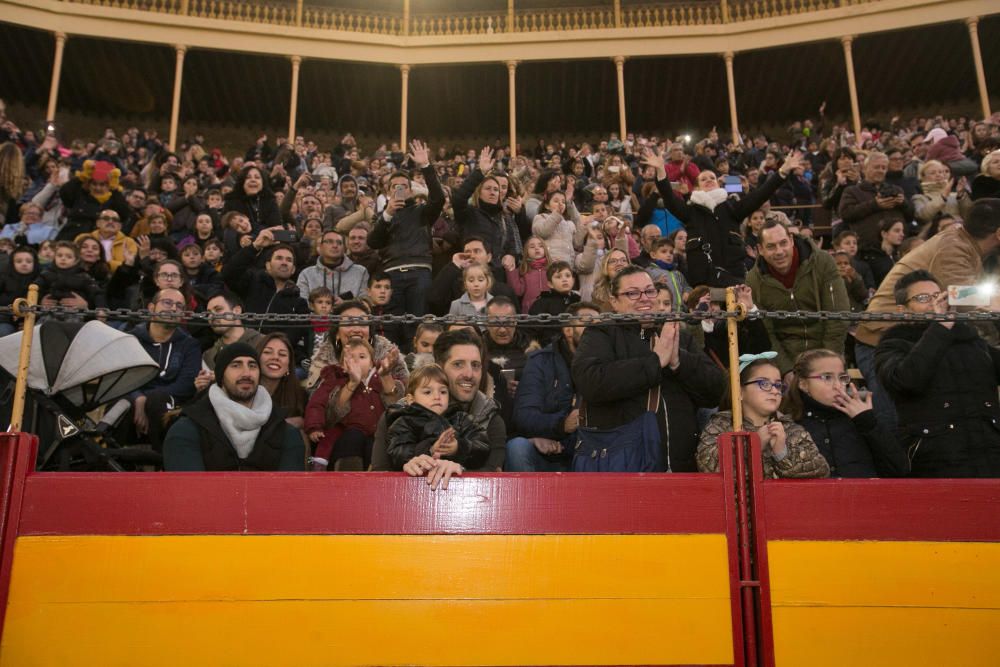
[(709, 198), (240, 423)]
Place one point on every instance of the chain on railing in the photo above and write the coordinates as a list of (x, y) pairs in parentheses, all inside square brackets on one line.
[(293, 320)]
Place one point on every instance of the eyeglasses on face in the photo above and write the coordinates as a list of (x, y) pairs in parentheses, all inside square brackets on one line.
[(925, 298), (617, 260), (108, 217), (169, 276), (767, 385), (829, 378), (636, 294), (169, 303)]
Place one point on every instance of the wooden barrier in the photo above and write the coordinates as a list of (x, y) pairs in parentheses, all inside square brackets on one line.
[(322, 569), (863, 572)]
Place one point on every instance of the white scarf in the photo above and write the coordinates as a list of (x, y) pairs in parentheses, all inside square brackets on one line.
[(240, 423), (709, 198)]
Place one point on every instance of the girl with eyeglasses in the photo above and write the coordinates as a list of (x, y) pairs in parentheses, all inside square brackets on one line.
[(787, 448), (841, 420)]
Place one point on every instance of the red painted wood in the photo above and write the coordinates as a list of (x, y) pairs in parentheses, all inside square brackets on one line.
[(726, 464), (948, 510), (369, 503), (25, 448), (759, 501), (8, 449)]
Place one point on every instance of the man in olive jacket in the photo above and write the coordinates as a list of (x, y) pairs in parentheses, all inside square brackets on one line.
[(792, 274)]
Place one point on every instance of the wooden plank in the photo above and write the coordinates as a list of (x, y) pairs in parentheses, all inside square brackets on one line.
[(325, 600), (326, 633), (369, 503), (838, 636), (966, 510), (176, 568), (848, 603)]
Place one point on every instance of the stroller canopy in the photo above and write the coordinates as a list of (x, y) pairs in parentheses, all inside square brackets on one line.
[(86, 363)]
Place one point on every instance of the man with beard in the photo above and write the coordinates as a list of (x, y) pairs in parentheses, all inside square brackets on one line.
[(271, 290), (460, 354), (545, 411), (179, 358), (351, 210), (506, 346), (234, 426), (229, 331), (359, 251)]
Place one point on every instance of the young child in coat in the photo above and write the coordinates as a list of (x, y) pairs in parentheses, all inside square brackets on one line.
[(21, 272), (477, 280), (528, 279), (425, 424), (555, 300), (67, 276), (345, 408), (663, 271)]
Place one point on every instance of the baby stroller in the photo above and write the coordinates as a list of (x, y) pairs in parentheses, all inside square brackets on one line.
[(77, 368)]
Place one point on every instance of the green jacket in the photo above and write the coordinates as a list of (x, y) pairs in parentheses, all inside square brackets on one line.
[(817, 286)]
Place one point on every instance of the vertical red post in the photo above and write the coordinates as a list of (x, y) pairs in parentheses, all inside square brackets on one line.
[(17, 460), (727, 455), (757, 506)]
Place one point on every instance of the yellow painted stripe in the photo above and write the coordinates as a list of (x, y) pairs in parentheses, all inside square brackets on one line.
[(881, 603), (325, 600)]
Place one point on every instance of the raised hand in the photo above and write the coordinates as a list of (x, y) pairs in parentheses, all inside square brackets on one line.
[(792, 162), (653, 159), (486, 160), (666, 345), (420, 153), (446, 444), (388, 363)]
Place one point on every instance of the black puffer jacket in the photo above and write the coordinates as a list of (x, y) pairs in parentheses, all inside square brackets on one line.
[(59, 283), (944, 384), (82, 209), (413, 430), (614, 369), (14, 286), (858, 447), (715, 248)]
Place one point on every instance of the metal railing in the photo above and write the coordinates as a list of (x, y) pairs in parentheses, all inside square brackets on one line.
[(652, 15)]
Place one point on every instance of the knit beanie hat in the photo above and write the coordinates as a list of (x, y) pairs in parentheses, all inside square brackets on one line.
[(230, 352)]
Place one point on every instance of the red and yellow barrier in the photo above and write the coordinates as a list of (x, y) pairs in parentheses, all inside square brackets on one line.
[(893, 572), (284, 569)]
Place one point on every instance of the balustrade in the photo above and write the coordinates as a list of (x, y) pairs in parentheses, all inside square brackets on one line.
[(658, 15)]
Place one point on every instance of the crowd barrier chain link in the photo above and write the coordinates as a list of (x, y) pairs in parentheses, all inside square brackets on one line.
[(542, 320)]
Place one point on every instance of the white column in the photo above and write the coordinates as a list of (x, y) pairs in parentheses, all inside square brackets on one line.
[(852, 86), (731, 84), (620, 67), (977, 58), (512, 87), (294, 103), (404, 70), (56, 74), (175, 107)]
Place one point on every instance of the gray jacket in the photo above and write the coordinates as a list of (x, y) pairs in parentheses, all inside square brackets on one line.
[(348, 277)]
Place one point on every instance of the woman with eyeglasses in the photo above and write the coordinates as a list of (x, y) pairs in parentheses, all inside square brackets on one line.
[(841, 420), (623, 368), (787, 448), (610, 266)]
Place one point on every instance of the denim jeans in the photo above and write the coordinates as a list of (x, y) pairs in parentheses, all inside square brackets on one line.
[(885, 410), (523, 457), (409, 297)]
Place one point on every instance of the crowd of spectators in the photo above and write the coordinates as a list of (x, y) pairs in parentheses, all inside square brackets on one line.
[(817, 220)]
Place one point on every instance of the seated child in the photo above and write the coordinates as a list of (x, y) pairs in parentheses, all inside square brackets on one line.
[(477, 280), (426, 425), (345, 408), (20, 272), (378, 297), (320, 305), (423, 345), (67, 276), (555, 300), (663, 270)]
